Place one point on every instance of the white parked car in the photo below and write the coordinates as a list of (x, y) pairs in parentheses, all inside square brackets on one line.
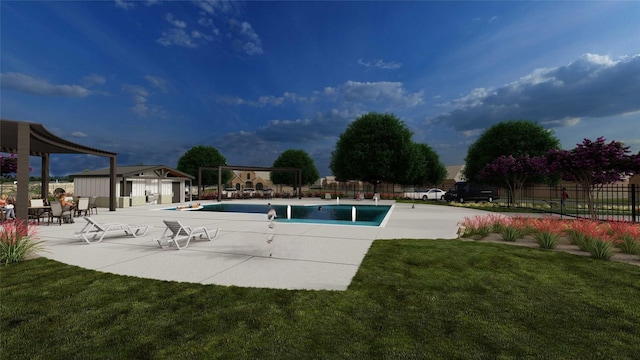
[(429, 194)]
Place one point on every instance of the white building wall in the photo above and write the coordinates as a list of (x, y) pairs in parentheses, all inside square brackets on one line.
[(99, 186)]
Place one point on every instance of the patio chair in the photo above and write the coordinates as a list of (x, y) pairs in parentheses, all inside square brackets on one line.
[(176, 232), (38, 211), (82, 206), (92, 204), (57, 212), (93, 229)]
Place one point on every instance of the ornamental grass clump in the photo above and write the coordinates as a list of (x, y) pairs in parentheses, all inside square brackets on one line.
[(17, 240), (548, 231), (592, 236), (601, 247), (511, 233), (517, 227), (628, 236), (579, 232), (481, 226)]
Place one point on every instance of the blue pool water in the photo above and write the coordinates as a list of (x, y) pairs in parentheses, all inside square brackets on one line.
[(367, 215)]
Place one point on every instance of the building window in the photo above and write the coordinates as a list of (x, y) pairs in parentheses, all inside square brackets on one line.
[(248, 176), (259, 186)]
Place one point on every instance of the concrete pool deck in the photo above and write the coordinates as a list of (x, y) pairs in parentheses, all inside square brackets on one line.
[(301, 256)]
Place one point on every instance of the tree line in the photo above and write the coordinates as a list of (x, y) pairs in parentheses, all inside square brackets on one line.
[(374, 148)]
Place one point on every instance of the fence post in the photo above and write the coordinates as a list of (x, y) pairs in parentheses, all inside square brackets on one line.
[(633, 202)]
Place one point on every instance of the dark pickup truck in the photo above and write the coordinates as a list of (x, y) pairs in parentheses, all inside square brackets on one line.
[(463, 191)]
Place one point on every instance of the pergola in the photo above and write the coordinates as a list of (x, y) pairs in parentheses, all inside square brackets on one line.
[(31, 139), (245, 168)]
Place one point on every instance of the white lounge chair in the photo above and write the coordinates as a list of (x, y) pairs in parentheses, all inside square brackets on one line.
[(93, 229), (176, 232)]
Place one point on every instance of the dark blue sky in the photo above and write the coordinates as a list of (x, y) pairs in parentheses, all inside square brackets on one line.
[(151, 79)]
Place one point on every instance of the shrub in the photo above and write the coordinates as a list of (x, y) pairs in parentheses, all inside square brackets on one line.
[(600, 248), (547, 240), (581, 231), (592, 236), (482, 225), (523, 224), (548, 231), (628, 235), (17, 240), (511, 233)]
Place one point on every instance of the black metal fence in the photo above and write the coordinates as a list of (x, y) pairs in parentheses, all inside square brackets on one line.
[(611, 202)]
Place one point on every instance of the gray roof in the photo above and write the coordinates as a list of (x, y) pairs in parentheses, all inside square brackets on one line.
[(135, 170)]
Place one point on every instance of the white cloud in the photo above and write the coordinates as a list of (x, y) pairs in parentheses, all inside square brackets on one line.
[(245, 38), (126, 5), (384, 94), (157, 82), (34, 86), (213, 7), (380, 64), (93, 79), (390, 94), (205, 21), (78, 134), (140, 98), (139, 95), (268, 100), (179, 35), (593, 86), (567, 122), (176, 36), (195, 34), (175, 22)]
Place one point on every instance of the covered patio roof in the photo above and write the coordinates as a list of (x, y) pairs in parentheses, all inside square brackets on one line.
[(32, 139)]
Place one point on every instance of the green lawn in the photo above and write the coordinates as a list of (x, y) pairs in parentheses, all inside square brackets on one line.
[(411, 299)]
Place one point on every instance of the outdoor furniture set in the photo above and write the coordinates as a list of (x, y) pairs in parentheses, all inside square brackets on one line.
[(174, 234)]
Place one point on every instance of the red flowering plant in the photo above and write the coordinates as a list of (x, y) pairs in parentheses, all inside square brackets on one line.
[(580, 231), (628, 236), (548, 231), (482, 226), (516, 228), (601, 243), (18, 239), (595, 237)]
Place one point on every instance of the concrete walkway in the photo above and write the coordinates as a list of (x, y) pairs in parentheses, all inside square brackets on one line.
[(301, 256)]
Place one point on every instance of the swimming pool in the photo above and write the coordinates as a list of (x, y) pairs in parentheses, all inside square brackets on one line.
[(366, 215)]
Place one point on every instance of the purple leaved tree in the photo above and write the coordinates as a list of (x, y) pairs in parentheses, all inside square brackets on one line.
[(8, 165), (513, 173), (592, 164)]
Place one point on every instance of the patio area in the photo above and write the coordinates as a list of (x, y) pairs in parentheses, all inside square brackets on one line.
[(301, 256)]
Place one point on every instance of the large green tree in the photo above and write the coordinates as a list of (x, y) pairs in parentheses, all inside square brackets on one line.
[(294, 159), (431, 170), (204, 156), (374, 148), (513, 137)]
